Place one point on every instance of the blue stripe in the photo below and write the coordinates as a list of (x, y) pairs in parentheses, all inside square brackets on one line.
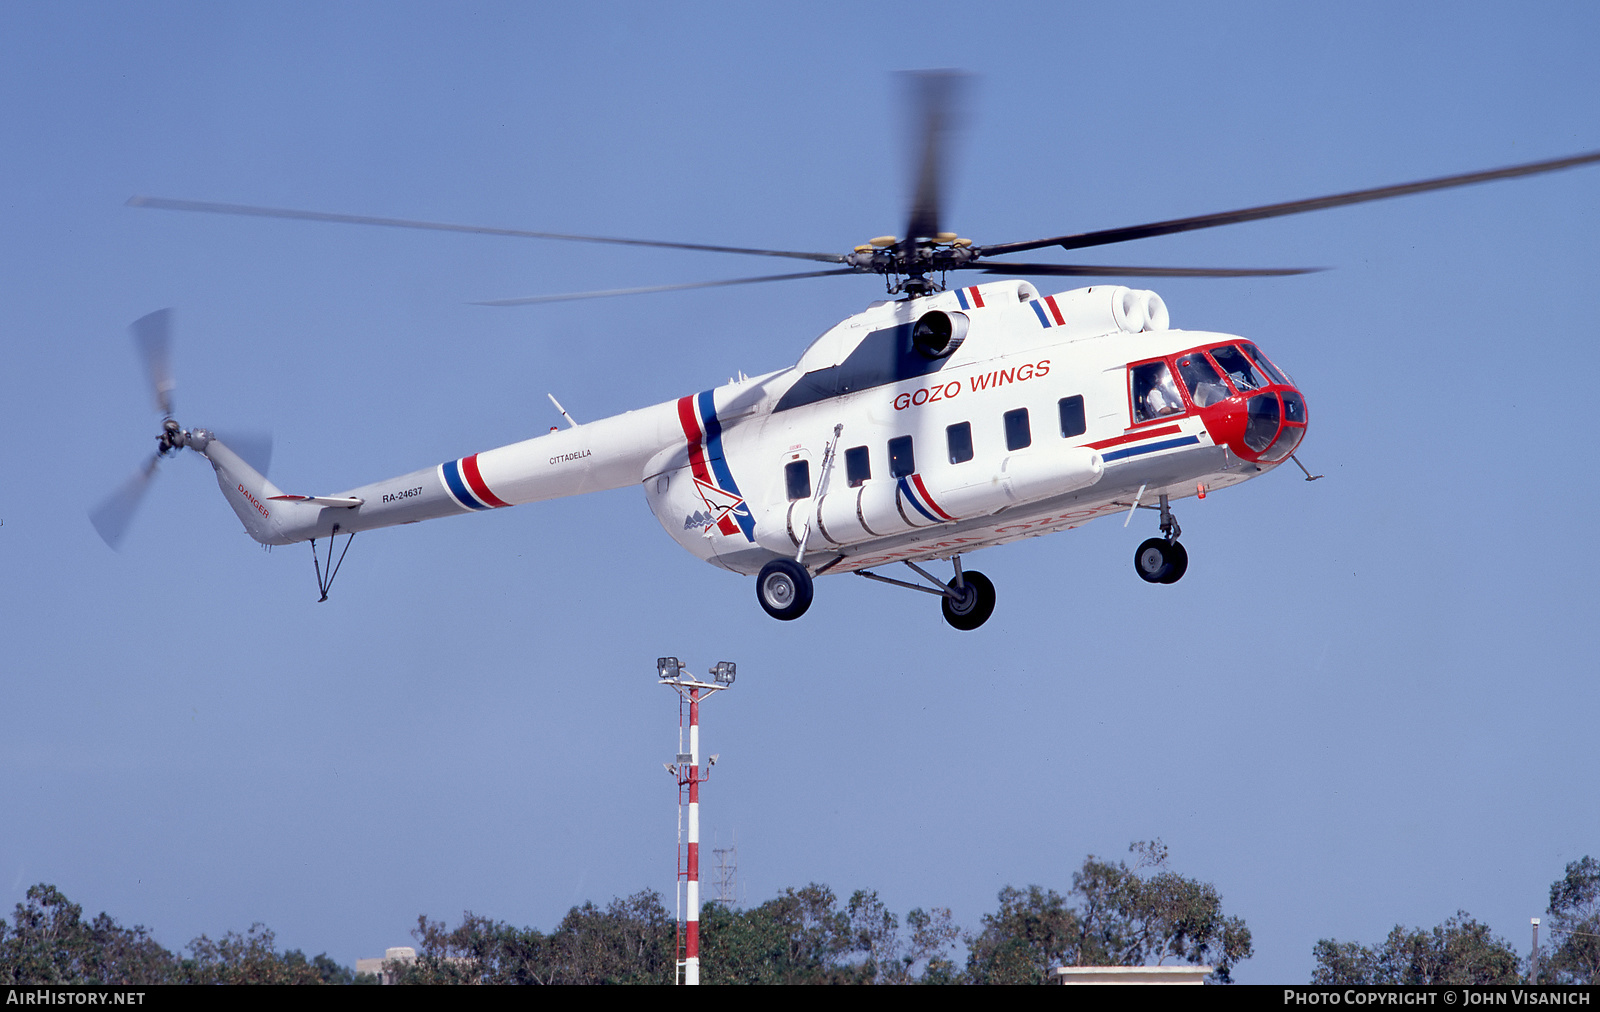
[(719, 466), (1134, 451), (458, 488), (1038, 310), (961, 297), (911, 497)]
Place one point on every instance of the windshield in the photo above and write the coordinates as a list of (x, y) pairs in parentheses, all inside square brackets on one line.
[(1240, 370)]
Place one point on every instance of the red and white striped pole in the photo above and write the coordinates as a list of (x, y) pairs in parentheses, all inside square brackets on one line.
[(687, 771), (691, 952)]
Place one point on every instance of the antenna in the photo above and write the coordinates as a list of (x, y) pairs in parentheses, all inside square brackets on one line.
[(727, 886), (687, 771)]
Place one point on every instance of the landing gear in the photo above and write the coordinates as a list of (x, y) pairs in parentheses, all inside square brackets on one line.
[(967, 600), (1160, 561), (784, 589), (1163, 559), (975, 604)]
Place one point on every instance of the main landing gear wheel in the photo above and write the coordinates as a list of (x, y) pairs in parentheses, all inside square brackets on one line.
[(1161, 561), (975, 606), (784, 589)]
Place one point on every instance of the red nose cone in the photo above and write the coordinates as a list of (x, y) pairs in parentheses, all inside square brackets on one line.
[(1262, 426)]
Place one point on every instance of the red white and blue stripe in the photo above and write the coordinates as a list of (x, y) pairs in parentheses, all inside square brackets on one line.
[(970, 298), (914, 492), (702, 433), (462, 479), (1047, 319)]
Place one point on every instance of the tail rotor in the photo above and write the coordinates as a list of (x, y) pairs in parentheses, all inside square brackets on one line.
[(152, 338)]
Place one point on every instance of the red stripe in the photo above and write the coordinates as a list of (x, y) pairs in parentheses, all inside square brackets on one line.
[(469, 467), (691, 940), (694, 862), (1055, 310), (977, 300), (1165, 430), (691, 432), (916, 479)]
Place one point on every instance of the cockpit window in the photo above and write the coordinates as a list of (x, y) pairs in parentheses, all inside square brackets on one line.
[(1278, 375), (1240, 370), (1155, 395), (1202, 380)]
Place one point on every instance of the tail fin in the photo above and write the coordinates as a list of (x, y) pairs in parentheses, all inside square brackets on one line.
[(269, 520)]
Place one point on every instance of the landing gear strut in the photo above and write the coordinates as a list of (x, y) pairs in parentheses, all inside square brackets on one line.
[(967, 600), (1163, 559)]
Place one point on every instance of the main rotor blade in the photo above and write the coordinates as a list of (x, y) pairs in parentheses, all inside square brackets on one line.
[(1112, 235), (607, 293), (252, 211), (152, 334), (1098, 271), (115, 512), (934, 96)]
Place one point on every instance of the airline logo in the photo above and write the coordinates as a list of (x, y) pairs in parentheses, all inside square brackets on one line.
[(702, 434)]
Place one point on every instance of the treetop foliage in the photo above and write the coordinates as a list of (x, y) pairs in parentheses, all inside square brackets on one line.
[(1462, 951), (1114, 915), (1573, 955), (49, 942), (1459, 951)]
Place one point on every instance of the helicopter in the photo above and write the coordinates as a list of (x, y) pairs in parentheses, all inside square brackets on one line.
[(933, 423)]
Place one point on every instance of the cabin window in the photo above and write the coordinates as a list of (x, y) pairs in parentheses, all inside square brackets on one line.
[(1155, 395), (797, 479), (1018, 435), (1201, 377), (901, 461), (1072, 419), (960, 439), (857, 465)]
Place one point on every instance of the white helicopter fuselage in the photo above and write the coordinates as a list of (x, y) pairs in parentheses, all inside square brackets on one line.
[(1034, 414)]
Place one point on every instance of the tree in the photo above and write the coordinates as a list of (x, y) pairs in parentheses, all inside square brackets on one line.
[(1117, 916), (628, 942), (798, 937), (1459, 951), (1574, 954), (251, 959), (50, 943)]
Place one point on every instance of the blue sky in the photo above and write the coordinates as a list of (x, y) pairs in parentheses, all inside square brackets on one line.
[(1371, 700)]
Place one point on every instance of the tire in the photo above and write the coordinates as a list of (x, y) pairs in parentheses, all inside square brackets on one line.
[(978, 606), (1153, 560), (1178, 558), (784, 589)]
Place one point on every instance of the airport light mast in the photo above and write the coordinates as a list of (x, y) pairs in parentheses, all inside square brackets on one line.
[(687, 770)]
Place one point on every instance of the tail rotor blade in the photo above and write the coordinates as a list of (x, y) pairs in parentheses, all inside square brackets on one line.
[(112, 517), (153, 336)]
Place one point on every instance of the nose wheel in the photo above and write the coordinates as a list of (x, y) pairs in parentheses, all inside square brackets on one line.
[(1163, 559)]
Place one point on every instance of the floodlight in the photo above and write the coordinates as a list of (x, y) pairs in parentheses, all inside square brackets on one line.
[(667, 668), (723, 672)]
